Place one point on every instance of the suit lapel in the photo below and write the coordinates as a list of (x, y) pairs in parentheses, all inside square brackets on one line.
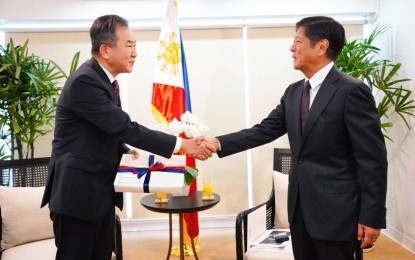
[(323, 97), (101, 73)]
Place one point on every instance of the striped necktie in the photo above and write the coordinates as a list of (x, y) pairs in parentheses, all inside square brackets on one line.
[(305, 103), (116, 92)]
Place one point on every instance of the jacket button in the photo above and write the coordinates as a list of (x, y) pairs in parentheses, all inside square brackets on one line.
[(300, 161)]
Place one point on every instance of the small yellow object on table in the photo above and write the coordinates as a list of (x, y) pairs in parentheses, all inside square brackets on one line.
[(161, 198), (207, 193)]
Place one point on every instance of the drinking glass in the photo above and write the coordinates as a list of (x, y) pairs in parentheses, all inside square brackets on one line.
[(161, 197), (207, 193)]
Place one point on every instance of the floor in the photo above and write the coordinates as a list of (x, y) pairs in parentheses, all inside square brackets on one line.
[(215, 244), (219, 244)]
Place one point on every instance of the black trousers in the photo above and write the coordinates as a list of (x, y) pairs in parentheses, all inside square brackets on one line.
[(78, 239), (307, 248)]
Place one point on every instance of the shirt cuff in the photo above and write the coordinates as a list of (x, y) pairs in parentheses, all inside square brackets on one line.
[(178, 145), (219, 147)]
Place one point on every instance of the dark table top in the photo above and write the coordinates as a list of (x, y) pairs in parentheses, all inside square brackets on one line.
[(182, 204)]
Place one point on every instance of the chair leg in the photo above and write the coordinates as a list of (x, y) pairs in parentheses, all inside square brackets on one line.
[(359, 251), (118, 238)]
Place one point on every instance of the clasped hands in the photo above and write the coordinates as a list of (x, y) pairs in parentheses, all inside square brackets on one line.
[(201, 148)]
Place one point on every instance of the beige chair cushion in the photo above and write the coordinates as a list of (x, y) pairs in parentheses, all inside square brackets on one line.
[(38, 250), (23, 220), (269, 253), (281, 193)]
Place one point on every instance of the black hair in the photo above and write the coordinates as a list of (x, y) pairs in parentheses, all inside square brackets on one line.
[(104, 31), (321, 27)]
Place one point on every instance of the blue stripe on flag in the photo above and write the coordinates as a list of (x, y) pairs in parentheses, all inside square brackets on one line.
[(185, 80)]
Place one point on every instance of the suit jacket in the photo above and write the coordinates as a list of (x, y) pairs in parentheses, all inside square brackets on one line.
[(339, 163), (89, 135)]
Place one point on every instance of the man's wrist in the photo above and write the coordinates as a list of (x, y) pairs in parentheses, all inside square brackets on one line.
[(178, 146), (217, 144)]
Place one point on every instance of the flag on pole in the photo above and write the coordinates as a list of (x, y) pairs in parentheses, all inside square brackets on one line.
[(171, 96)]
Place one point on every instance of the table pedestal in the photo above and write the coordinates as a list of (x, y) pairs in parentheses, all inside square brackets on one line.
[(181, 248)]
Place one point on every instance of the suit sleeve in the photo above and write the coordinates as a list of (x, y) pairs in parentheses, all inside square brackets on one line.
[(90, 101), (270, 128), (363, 126)]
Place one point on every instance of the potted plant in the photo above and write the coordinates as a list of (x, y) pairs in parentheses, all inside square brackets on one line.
[(358, 60), (28, 93)]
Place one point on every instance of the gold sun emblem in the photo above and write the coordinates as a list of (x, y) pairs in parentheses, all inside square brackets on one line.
[(170, 54)]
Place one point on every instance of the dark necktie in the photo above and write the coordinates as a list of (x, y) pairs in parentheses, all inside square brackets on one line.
[(116, 92), (305, 103)]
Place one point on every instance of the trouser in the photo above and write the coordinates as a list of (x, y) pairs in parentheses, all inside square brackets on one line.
[(83, 240), (307, 248)]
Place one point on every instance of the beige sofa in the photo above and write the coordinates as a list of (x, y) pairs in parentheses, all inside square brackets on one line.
[(26, 229)]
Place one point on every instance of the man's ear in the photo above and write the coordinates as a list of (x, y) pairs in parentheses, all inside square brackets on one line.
[(105, 51), (323, 46)]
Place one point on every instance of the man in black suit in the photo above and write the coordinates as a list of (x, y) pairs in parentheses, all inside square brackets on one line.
[(337, 183), (90, 136)]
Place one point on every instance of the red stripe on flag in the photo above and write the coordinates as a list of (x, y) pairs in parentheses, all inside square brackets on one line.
[(169, 100), (195, 219)]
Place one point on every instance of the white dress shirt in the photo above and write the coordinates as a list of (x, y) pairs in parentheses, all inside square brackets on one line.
[(317, 80)]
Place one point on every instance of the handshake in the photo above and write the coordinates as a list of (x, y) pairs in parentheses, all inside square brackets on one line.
[(200, 148)]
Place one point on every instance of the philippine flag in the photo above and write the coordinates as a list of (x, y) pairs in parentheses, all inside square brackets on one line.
[(171, 95)]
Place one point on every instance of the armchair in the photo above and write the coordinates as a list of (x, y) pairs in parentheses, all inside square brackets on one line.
[(282, 163)]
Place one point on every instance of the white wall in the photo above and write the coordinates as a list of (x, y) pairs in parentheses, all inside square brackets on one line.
[(397, 45)]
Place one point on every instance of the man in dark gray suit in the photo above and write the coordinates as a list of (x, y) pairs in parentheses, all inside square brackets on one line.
[(337, 183), (90, 136)]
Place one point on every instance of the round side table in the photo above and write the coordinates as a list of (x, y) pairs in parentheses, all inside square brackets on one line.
[(180, 205)]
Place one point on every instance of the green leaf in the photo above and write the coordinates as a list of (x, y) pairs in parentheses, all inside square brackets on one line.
[(4, 67), (189, 174), (75, 61), (59, 69), (16, 127)]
